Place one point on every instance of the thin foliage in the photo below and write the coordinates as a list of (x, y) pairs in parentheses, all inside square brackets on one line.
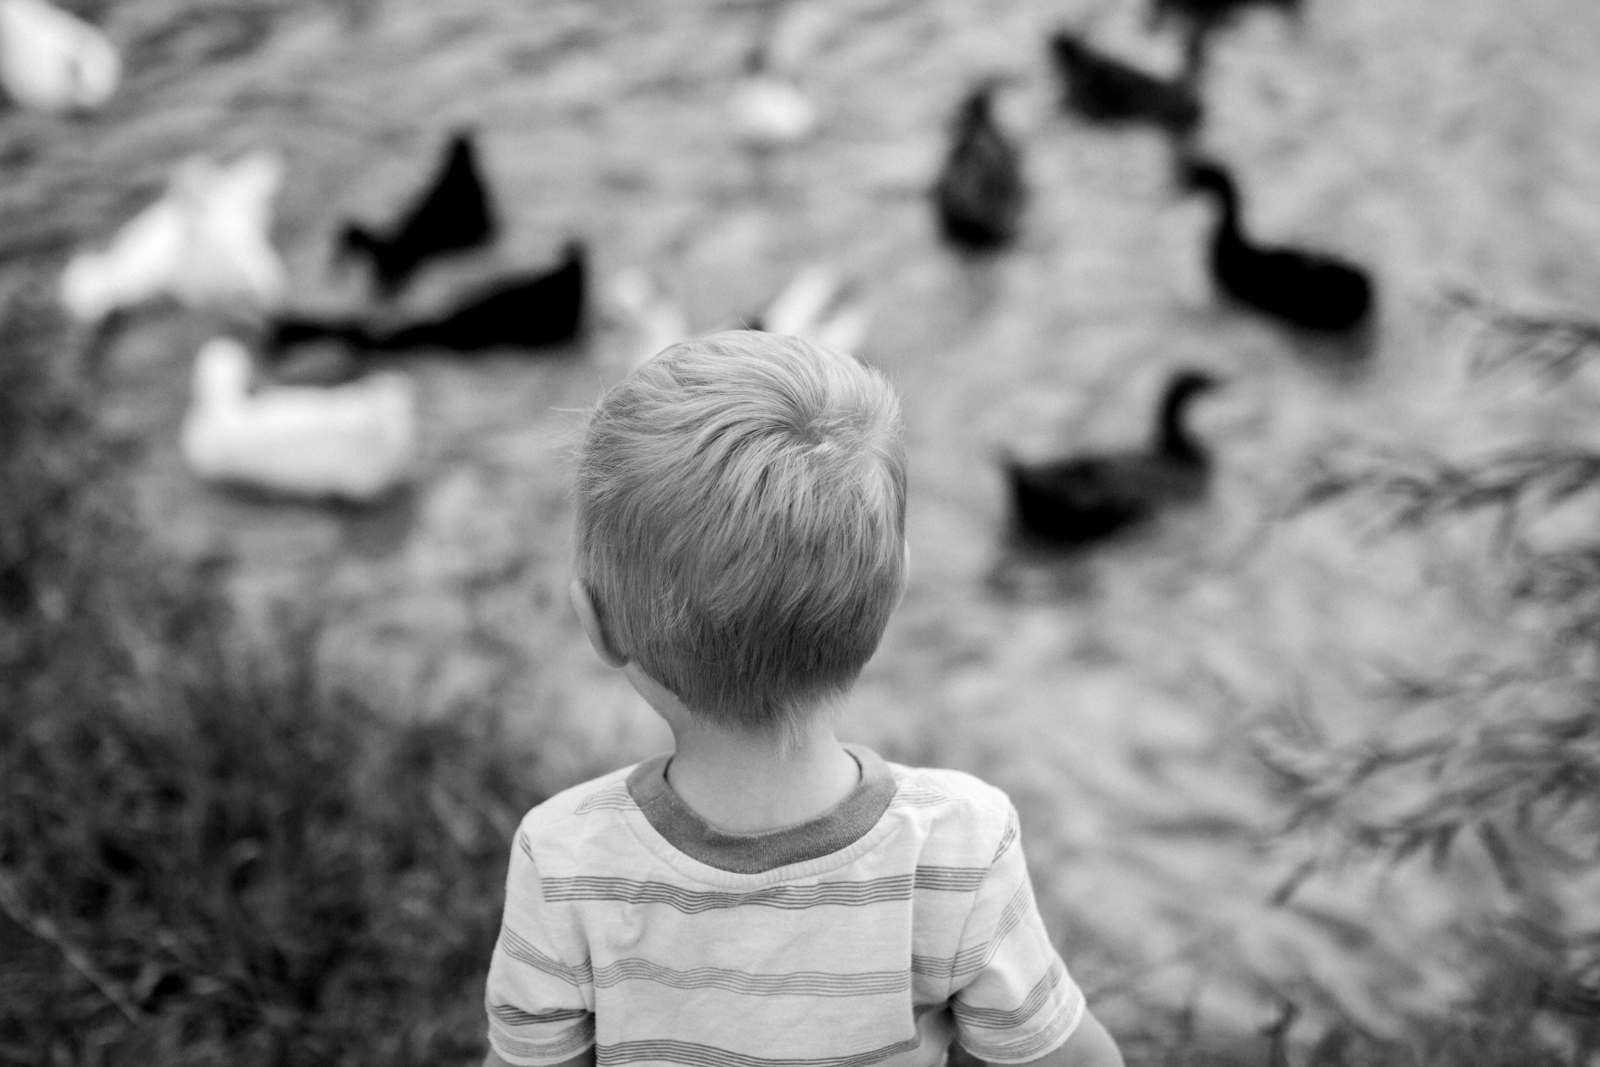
[(1412, 490), (207, 854), (1493, 764), (1554, 347)]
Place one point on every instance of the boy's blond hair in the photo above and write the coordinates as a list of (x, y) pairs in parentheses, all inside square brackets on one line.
[(741, 523)]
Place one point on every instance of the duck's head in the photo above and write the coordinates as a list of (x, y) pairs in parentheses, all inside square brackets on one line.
[(88, 287), (1189, 382), (354, 238), (462, 143), (1172, 436), (979, 102), (1202, 175), (96, 69), (222, 372), (252, 182), (1066, 45), (757, 59)]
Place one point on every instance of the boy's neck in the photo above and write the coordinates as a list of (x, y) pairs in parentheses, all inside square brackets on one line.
[(749, 783)]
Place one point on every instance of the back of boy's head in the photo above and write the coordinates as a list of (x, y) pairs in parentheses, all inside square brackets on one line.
[(741, 523)]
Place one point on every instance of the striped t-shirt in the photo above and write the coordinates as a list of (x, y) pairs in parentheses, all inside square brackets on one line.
[(875, 934)]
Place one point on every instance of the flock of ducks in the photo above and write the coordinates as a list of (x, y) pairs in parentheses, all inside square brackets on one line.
[(204, 243), (980, 197)]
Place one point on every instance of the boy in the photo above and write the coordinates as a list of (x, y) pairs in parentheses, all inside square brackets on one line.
[(764, 895)]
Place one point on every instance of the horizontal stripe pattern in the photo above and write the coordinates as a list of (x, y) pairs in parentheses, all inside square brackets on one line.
[(691, 901), (520, 949), (795, 983), (950, 879), (695, 1055), (976, 957), (612, 798), (790, 897), (1030, 1045), (517, 1017), (562, 1046), (1006, 840), (1006, 1019), (914, 794), (614, 926)]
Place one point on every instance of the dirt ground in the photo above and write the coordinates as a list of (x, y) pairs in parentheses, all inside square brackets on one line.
[(1444, 145)]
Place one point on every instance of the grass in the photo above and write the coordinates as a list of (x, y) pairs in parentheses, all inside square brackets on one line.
[(206, 855)]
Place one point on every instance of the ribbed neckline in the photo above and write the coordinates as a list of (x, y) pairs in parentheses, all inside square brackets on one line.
[(839, 827)]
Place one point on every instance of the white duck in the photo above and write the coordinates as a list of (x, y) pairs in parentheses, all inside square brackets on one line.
[(656, 321), (54, 61), (769, 111), (818, 305), (353, 442), (205, 242)]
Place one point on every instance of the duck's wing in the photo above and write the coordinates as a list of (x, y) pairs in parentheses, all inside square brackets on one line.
[(798, 308), (656, 322), (1131, 482), (1108, 88), (1072, 502), (845, 329), (231, 254), (527, 311), (1312, 288), (980, 188), (1088, 484)]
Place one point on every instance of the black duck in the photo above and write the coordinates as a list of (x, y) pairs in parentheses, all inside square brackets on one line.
[(980, 192), (1309, 290), (531, 311), (1206, 15), (452, 214), (1083, 499), (1104, 89)]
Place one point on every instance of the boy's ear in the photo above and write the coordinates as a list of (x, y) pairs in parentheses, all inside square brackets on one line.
[(589, 619)]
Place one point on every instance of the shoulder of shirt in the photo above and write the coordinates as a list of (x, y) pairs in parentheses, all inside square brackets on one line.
[(604, 795), (958, 804), (937, 785)]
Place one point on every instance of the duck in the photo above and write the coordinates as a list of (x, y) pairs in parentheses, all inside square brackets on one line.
[(53, 61), (527, 311), (1206, 15), (354, 442), (819, 306), (1104, 89), (980, 191), (1309, 290), (1079, 500), (205, 243), (452, 214), (768, 111)]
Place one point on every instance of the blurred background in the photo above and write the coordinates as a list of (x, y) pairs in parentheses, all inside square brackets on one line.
[(1307, 756)]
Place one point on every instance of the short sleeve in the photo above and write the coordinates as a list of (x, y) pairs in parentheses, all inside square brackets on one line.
[(540, 993), (1012, 997)]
